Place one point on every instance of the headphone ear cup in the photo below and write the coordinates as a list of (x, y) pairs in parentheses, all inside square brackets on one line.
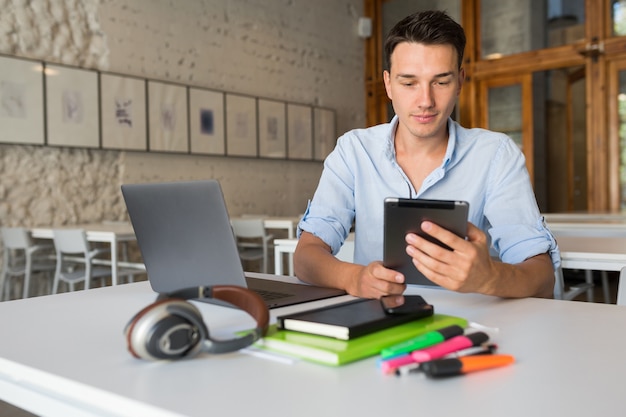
[(166, 329)]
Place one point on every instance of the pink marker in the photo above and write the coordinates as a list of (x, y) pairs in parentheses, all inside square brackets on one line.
[(449, 346), (390, 365)]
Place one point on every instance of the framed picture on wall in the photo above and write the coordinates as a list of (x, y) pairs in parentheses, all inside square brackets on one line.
[(206, 121), (241, 125), (272, 129), (123, 112), (324, 132), (72, 107), (167, 115), (299, 131), (21, 101)]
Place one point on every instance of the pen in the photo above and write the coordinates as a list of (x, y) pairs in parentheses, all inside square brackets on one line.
[(466, 364), (422, 341), (391, 364), (475, 350), (449, 346)]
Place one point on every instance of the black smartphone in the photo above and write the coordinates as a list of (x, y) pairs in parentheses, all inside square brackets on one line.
[(406, 304), (406, 215)]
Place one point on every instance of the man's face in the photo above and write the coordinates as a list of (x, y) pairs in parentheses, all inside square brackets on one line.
[(423, 83)]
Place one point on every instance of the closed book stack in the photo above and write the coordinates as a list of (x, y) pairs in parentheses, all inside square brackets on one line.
[(349, 320), (331, 351)]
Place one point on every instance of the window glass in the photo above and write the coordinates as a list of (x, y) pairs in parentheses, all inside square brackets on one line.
[(505, 111), (395, 10), (565, 134), (618, 14), (513, 26), (621, 110)]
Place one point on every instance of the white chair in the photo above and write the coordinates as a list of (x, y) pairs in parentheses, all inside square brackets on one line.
[(22, 257), (75, 259), (621, 288), (346, 252), (252, 240), (584, 287)]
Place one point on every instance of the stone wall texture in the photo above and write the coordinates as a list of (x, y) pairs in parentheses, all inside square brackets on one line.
[(299, 51)]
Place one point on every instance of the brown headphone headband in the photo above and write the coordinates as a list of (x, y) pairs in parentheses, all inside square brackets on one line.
[(241, 297), (150, 333), (247, 300)]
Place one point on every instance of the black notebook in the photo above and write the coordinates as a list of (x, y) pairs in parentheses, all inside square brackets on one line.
[(347, 320)]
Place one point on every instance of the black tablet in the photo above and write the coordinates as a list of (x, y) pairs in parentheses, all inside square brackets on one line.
[(403, 215)]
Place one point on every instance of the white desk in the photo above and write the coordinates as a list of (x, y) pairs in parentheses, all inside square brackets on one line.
[(592, 253), (596, 253), (282, 247), (569, 363), (590, 241), (287, 223), (288, 247), (112, 233), (567, 217)]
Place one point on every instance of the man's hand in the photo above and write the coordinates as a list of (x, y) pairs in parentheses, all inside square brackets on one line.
[(375, 281), (468, 267), (315, 264)]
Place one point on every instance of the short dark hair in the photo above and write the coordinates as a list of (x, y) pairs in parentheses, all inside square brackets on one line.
[(431, 27)]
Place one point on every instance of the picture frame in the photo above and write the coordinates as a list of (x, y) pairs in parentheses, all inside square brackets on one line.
[(324, 132), (123, 112), (272, 129), (72, 114), (206, 122), (21, 101), (299, 131), (241, 125), (168, 119)]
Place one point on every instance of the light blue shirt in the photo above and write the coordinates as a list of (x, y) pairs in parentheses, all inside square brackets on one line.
[(485, 168)]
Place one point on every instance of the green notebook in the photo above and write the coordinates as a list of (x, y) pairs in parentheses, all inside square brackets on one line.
[(334, 352)]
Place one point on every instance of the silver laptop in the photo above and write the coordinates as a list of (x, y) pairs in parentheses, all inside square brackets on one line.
[(186, 240)]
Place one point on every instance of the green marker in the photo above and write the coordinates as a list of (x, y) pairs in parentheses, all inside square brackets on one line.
[(422, 341)]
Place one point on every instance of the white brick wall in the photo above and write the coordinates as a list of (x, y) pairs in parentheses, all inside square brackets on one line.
[(294, 50)]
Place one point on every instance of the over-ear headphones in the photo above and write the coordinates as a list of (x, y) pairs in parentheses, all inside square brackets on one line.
[(172, 328)]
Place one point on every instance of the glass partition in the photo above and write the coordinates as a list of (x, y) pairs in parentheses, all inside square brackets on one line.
[(618, 15), (396, 10), (505, 111), (621, 110), (513, 26)]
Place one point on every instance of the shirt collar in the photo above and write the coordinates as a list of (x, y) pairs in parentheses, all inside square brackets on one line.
[(452, 141), (390, 150)]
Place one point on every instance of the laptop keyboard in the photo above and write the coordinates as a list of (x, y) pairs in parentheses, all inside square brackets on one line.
[(271, 295)]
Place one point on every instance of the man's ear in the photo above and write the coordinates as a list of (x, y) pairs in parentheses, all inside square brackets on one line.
[(461, 80), (387, 80)]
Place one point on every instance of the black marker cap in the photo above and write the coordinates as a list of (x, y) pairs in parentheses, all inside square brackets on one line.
[(442, 367), (477, 338), (451, 331)]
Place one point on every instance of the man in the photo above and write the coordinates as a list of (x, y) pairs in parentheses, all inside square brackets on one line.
[(422, 153)]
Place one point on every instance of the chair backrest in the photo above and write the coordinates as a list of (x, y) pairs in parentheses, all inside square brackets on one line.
[(70, 241), (16, 238), (248, 228), (621, 288)]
